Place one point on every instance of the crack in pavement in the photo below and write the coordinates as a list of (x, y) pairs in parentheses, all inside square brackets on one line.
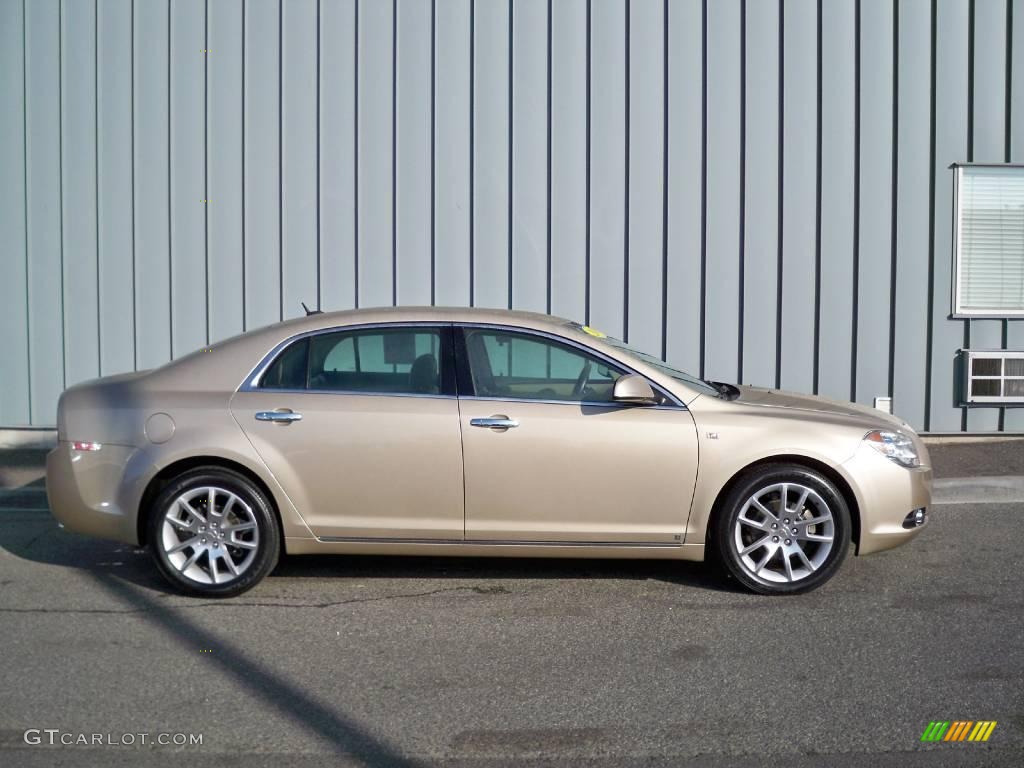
[(240, 604)]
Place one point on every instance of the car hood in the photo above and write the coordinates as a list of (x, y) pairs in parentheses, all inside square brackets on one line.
[(774, 398)]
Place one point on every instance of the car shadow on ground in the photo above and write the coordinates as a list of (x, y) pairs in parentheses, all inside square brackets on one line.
[(680, 572)]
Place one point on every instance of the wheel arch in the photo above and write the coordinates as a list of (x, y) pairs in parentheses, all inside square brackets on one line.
[(834, 476), (166, 475)]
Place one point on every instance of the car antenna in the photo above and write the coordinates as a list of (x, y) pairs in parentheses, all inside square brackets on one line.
[(311, 311)]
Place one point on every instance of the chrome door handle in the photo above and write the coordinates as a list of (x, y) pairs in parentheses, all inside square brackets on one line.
[(494, 422), (280, 417)]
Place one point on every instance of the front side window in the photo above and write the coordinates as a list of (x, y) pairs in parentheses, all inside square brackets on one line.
[(989, 274), (403, 360), (522, 366)]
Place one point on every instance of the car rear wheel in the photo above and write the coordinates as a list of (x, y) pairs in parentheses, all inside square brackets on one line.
[(213, 533), (783, 529)]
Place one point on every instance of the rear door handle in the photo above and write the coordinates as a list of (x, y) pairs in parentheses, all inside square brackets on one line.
[(494, 422), (282, 416)]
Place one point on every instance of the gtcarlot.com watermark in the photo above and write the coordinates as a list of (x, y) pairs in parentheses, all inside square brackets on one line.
[(56, 737)]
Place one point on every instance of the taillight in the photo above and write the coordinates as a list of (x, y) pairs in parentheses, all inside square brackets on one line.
[(79, 445)]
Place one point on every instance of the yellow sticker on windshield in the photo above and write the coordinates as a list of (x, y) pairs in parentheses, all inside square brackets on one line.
[(593, 332)]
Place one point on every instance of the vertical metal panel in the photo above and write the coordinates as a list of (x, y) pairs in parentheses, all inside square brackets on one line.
[(224, 168), (262, 169), (875, 205), (724, 150), (799, 194), (646, 172), (452, 152), (1013, 420), (653, 167), (189, 205), (607, 165), (114, 184), (760, 195), (43, 204), (838, 74), (569, 158), (14, 346), (150, 176), (988, 141), (682, 344), (78, 182), (912, 211), (413, 153), (529, 155), (299, 148), (950, 127), (374, 244), (491, 166), (338, 202)]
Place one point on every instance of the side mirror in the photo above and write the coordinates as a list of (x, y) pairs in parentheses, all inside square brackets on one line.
[(633, 389)]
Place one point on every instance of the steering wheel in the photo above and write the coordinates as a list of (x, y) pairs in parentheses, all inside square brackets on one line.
[(581, 380)]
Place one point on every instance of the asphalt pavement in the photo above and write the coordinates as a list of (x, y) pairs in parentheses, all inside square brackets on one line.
[(417, 662)]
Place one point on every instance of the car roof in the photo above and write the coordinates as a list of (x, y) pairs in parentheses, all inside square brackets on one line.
[(428, 314), (409, 314)]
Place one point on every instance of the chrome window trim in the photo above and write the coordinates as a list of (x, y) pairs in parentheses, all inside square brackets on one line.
[(251, 383), (349, 393), (674, 402), (586, 403)]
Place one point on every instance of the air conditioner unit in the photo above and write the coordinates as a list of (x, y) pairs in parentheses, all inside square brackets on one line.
[(993, 376)]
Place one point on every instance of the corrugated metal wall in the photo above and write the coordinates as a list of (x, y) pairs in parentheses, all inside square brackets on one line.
[(758, 189)]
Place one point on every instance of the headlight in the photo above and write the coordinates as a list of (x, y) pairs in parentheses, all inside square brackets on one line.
[(895, 446)]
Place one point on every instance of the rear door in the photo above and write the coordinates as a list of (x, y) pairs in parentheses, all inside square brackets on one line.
[(361, 428)]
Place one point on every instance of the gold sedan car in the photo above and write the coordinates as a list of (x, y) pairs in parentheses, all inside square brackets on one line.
[(433, 431)]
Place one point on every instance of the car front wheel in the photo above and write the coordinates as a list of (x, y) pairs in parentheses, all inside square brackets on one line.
[(213, 533), (783, 529)]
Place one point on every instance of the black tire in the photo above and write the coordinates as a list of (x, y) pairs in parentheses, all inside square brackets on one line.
[(267, 533), (826, 561)]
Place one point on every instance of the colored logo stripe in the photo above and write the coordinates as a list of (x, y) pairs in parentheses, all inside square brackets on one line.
[(982, 730), (935, 730), (958, 730)]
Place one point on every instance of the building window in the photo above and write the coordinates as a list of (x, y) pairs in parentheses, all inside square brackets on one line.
[(989, 244), (993, 376)]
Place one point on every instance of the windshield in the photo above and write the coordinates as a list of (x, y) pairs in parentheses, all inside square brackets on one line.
[(654, 362)]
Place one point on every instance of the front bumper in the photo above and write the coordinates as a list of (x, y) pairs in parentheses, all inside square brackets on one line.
[(886, 494), (82, 488)]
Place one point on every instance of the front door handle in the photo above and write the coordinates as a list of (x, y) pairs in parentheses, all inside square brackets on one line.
[(282, 416), (494, 422)]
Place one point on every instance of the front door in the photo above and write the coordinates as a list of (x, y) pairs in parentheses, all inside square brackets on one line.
[(550, 457), (361, 429)]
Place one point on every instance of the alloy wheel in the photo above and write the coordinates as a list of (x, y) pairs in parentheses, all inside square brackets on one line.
[(784, 533), (210, 535)]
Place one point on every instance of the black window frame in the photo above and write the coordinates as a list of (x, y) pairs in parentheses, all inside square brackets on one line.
[(446, 360)]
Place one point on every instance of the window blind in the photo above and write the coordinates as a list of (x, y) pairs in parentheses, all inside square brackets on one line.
[(990, 241)]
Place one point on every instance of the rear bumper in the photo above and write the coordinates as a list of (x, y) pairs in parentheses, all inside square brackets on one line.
[(886, 494), (82, 488)]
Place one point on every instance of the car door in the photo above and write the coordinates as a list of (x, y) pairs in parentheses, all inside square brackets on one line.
[(361, 428), (550, 457)]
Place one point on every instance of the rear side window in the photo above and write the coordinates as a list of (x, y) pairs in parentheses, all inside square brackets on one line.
[(289, 369), (401, 361)]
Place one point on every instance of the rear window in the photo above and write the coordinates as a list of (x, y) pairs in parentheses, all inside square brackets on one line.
[(375, 361)]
